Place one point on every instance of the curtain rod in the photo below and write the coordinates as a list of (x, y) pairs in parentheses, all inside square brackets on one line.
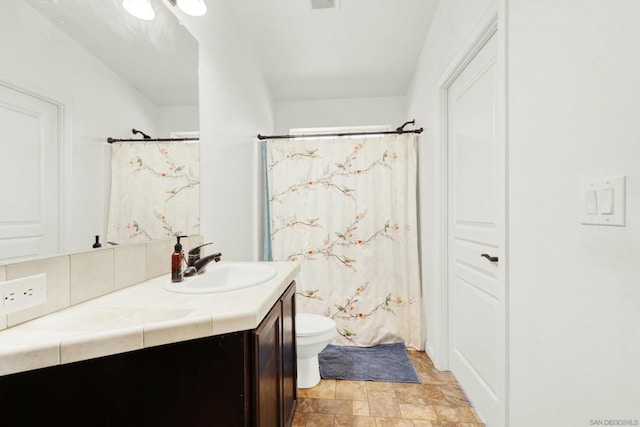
[(112, 140), (398, 131)]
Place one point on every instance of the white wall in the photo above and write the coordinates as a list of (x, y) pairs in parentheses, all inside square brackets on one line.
[(235, 106), (37, 54), (177, 118), (340, 112), (574, 290), (452, 25)]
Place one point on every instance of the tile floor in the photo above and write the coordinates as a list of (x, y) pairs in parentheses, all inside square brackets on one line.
[(437, 402)]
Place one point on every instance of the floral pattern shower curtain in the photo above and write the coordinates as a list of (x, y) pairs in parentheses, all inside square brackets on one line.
[(346, 209), (155, 191)]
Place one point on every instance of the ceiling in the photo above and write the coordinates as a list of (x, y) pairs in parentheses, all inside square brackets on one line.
[(159, 57), (360, 48)]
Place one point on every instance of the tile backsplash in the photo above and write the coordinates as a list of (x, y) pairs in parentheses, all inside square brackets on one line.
[(3, 277), (57, 271), (92, 275), (79, 277)]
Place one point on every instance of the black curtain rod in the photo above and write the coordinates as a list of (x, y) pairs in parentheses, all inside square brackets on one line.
[(398, 131), (112, 140), (318, 135)]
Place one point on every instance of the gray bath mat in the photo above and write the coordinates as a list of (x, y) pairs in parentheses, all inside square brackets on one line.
[(383, 362)]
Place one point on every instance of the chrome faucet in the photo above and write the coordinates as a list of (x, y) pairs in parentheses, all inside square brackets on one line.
[(198, 265)]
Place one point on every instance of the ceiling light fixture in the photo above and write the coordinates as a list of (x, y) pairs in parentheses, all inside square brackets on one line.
[(140, 9), (192, 7)]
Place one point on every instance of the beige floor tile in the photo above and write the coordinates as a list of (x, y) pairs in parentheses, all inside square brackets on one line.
[(454, 395), (454, 424), (379, 386), (326, 389), (335, 406), (434, 395), (361, 407), (433, 376), (421, 364), (320, 420), (409, 388), (299, 420), (352, 390), (438, 401), (393, 422), (412, 398), (446, 413), (386, 410), (384, 396), (354, 421), (417, 412), (306, 404)]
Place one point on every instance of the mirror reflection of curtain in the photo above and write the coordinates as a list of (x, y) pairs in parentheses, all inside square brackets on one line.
[(155, 191), (346, 208)]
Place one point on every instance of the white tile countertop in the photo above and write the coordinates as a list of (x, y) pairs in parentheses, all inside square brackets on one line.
[(137, 317)]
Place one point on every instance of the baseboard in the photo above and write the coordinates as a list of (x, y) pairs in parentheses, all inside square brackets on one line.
[(429, 350), (435, 358)]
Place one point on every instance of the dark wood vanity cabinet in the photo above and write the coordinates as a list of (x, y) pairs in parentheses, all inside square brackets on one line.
[(245, 378), (289, 356), (275, 364)]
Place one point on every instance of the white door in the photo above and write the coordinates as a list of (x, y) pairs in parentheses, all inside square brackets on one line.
[(476, 211), (29, 176)]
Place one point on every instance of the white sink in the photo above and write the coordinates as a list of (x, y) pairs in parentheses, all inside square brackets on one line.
[(223, 278)]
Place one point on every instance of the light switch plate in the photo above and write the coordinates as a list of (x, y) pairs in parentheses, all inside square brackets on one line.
[(609, 206)]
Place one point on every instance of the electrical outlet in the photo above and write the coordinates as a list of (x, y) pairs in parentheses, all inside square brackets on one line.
[(23, 293)]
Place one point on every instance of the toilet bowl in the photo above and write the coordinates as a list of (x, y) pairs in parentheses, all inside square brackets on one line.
[(313, 333)]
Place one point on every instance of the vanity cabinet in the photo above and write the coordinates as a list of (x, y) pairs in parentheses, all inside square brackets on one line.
[(275, 364), (289, 355), (244, 378)]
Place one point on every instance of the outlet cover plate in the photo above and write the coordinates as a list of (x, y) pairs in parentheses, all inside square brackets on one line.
[(23, 293)]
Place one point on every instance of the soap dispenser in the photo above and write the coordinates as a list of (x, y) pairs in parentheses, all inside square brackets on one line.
[(176, 261)]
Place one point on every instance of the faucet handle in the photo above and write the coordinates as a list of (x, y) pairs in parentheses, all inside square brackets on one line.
[(194, 254), (196, 250)]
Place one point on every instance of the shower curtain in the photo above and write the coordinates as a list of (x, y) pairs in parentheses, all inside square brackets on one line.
[(346, 209), (155, 191)]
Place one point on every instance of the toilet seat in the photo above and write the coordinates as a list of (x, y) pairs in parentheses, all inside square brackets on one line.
[(312, 324)]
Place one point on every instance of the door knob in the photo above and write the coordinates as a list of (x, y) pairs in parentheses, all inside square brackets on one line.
[(490, 258)]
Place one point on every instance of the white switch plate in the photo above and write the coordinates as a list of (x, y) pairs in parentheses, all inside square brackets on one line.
[(610, 205), (20, 294)]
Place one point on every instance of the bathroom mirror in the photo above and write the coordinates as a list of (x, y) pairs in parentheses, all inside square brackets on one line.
[(100, 72)]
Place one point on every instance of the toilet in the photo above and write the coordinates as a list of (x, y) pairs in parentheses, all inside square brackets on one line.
[(313, 333)]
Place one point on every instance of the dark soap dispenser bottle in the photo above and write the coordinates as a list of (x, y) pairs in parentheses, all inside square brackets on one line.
[(176, 261)]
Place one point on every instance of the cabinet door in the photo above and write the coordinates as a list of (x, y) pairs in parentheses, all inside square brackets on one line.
[(267, 380), (289, 375)]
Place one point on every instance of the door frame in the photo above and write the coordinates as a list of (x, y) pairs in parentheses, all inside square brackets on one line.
[(493, 23), (64, 114)]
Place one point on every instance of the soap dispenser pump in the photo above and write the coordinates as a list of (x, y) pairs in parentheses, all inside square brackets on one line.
[(176, 261)]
